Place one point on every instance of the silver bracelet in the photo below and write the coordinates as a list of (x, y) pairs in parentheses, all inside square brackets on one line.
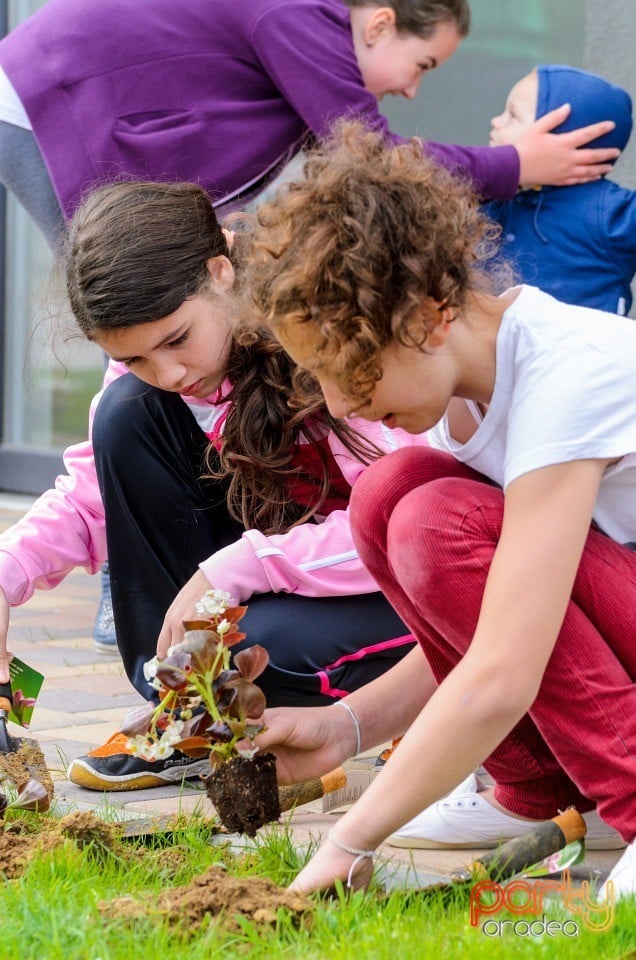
[(352, 850), (350, 711), (358, 854)]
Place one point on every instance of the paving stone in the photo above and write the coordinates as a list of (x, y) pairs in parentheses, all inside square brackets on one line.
[(77, 701), (124, 798), (59, 753), (92, 730), (66, 656), (96, 670), (183, 803), (115, 685)]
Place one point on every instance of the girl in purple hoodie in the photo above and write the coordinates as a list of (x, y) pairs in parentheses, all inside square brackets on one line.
[(225, 93)]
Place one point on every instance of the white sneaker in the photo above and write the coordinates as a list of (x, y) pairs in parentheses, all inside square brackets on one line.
[(623, 876), (465, 820)]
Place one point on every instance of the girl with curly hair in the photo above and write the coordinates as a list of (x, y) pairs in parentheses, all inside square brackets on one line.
[(507, 547), (205, 467)]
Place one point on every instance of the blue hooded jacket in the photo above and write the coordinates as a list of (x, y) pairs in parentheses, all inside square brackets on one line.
[(577, 243)]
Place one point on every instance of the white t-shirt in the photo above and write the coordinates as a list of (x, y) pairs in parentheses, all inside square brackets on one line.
[(565, 389), (11, 109)]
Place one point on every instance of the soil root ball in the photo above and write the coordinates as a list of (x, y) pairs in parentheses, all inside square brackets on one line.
[(245, 793)]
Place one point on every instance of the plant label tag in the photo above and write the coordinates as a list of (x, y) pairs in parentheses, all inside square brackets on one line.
[(343, 798), (26, 684), (557, 862)]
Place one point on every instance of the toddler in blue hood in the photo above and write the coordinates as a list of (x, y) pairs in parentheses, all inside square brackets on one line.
[(577, 243)]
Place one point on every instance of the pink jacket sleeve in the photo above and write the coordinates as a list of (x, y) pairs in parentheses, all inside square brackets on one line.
[(63, 529), (313, 559)]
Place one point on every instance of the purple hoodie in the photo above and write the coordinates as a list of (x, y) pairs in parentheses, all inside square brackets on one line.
[(221, 92)]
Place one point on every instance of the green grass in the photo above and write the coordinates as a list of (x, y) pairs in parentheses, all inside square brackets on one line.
[(51, 912)]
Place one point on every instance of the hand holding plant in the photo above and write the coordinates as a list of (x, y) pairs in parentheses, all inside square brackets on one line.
[(208, 707)]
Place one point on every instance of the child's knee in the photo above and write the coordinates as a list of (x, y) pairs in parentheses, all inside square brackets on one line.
[(435, 529), (384, 483)]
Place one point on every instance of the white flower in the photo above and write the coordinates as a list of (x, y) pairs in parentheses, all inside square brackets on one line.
[(150, 673), (223, 627), (172, 733), (163, 750), (159, 749), (145, 749), (214, 602)]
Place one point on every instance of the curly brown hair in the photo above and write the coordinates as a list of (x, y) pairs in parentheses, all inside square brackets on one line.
[(134, 251), (364, 250)]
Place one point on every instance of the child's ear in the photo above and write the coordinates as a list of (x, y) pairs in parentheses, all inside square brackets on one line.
[(221, 273), (439, 325), (381, 21)]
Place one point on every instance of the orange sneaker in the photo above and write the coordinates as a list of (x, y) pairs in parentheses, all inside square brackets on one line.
[(113, 767)]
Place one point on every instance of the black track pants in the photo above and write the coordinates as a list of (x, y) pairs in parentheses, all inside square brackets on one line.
[(162, 520)]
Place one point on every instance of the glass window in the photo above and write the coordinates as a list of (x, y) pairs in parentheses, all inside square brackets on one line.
[(507, 39), (48, 384)]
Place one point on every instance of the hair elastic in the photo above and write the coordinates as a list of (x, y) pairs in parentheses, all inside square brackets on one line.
[(358, 854), (350, 711)]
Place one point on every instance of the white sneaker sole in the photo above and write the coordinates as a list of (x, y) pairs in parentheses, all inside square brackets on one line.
[(611, 842), (83, 775)]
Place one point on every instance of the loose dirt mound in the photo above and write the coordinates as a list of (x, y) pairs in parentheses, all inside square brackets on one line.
[(22, 840), (17, 849), (211, 894), (27, 763), (216, 894), (85, 828)]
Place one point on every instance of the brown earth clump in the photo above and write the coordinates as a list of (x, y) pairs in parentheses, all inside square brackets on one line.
[(19, 848), (245, 793), (27, 763), (23, 839), (213, 894), (85, 828)]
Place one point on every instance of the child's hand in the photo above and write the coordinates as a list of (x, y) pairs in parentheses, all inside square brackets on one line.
[(307, 741), (181, 608), (329, 864), (555, 159)]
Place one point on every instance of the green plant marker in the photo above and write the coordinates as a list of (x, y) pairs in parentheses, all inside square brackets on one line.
[(556, 862), (26, 684)]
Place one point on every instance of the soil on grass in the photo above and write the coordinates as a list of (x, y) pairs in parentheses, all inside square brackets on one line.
[(23, 839), (212, 894), (86, 828), (245, 793), (170, 860), (27, 763)]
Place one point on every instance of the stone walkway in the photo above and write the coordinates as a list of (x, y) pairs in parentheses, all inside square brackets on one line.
[(86, 694)]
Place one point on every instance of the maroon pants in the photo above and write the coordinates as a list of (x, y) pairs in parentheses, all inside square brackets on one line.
[(426, 527)]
